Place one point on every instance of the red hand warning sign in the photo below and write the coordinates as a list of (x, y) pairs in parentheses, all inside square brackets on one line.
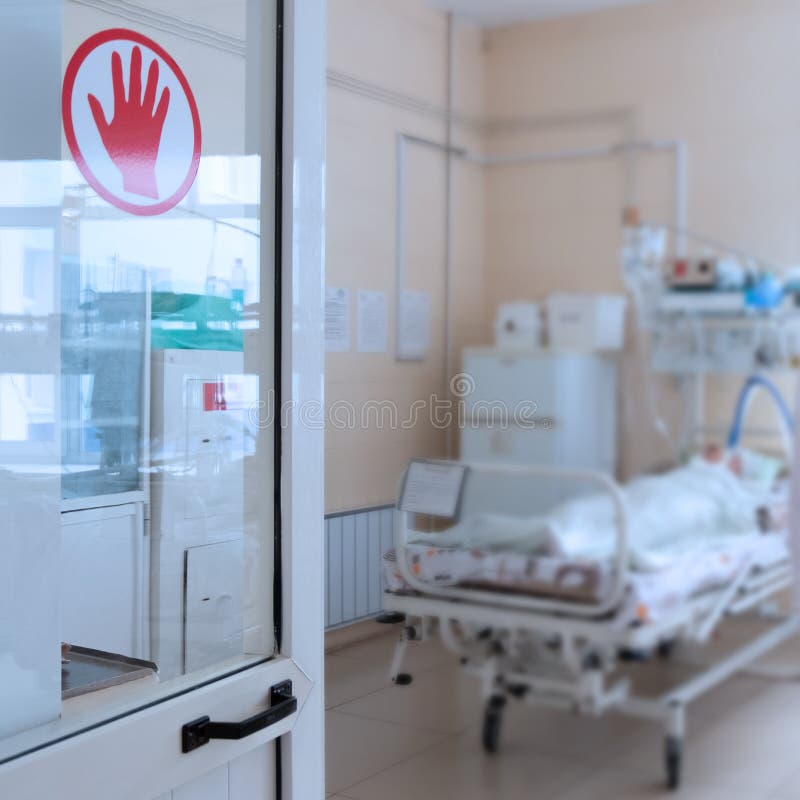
[(131, 121)]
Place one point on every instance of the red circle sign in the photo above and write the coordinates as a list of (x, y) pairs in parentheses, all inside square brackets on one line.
[(131, 121)]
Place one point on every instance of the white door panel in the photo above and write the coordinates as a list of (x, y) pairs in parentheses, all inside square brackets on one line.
[(252, 776), (211, 786), (141, 754), (249, 777)]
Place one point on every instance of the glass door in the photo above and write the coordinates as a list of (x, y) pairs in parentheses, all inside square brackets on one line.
[(139, 357)]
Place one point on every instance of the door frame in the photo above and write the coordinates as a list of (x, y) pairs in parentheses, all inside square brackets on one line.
[(302, 767), (137, 756)]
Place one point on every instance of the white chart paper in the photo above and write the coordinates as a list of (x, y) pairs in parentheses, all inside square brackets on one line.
[(372, 325), (337, 319), (433, 489), (414, 326)]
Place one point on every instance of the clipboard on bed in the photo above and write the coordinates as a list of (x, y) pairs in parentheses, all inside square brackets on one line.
[(433, 488)]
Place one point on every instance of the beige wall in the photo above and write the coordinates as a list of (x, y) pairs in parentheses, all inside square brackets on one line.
[(400, 46), (718, 74)]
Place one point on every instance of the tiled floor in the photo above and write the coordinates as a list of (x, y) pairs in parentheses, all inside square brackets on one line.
[(422, 742)]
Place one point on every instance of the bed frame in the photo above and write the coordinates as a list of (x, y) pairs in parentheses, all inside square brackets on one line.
[(561, 653)]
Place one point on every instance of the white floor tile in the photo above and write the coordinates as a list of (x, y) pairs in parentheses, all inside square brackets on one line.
[(788, 789), (361, 669), (753, 749), (613, 784), (379, 650), (443, 699), (347, 679), (422, 741), (357, 748), (554, 732), (455, 770)]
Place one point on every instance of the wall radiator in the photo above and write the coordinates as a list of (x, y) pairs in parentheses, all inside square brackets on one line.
[(354, 544)]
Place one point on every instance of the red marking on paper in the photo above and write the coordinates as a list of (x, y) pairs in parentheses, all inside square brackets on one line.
[(214, 397)]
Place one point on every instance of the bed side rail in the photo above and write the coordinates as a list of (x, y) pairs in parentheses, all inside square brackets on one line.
[(517, 601)]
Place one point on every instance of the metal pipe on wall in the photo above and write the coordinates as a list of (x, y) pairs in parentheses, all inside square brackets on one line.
[(681, 198), (626, 150), (400, 233), (624, 116), (680, 176), (516, 159), (449, 224), (402, 140)]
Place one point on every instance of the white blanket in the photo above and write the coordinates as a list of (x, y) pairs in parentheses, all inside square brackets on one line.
[(669, 517)]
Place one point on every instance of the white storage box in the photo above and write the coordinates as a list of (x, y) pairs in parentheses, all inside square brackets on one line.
[(518, 326), (586, 321)]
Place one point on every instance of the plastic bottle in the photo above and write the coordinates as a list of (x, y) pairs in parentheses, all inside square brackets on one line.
[(238, 284)]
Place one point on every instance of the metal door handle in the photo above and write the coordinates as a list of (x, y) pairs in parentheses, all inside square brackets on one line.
[(200, 731)]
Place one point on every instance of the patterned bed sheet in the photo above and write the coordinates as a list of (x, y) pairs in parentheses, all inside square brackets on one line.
[(649, 597)]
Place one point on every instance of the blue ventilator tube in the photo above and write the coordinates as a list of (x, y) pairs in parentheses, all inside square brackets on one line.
[(752, 383)]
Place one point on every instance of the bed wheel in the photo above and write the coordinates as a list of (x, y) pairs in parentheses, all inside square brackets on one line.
[(390, 618), (666, 649), (673, 756), (492, 720), (403, 679)]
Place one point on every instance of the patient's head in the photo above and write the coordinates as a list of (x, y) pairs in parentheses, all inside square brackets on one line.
[(715, 453)]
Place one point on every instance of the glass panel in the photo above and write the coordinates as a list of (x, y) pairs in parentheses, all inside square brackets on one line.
[(104, 311), (136, 346)]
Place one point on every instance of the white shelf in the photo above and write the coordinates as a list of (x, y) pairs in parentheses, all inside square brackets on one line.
[(726, 343)]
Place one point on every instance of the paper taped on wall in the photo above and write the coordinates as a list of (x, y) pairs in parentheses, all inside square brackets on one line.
[(372, 334), (414, 328), (337, 319)]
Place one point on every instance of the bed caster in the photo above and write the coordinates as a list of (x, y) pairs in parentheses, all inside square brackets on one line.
[(673, 756), (390, 618), (633, 656), (403, 679), (492, 720), (666, 649), (411, 633)]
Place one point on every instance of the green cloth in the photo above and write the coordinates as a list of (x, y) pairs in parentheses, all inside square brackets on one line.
[(206, 322)]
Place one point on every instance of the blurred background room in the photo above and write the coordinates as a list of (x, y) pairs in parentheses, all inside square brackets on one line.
[(562, 332)]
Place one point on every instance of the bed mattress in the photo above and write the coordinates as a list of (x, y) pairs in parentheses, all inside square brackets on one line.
[(649, 597)]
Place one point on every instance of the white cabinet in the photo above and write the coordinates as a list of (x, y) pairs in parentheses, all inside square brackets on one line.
[(103, 579), (539, 407), (213, 603), (201, 437)]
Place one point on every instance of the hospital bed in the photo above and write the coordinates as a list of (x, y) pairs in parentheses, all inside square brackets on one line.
[(552, 628)]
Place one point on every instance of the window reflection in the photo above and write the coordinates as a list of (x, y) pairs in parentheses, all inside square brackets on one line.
[(103, 352), (124, 394), (29, 469), (130, 359)]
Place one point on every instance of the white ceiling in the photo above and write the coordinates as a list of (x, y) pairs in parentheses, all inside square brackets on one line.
[(491, 13)]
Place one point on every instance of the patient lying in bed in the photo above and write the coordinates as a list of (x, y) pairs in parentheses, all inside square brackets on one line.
[(672, 514), (689, 530), (712, 498)]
